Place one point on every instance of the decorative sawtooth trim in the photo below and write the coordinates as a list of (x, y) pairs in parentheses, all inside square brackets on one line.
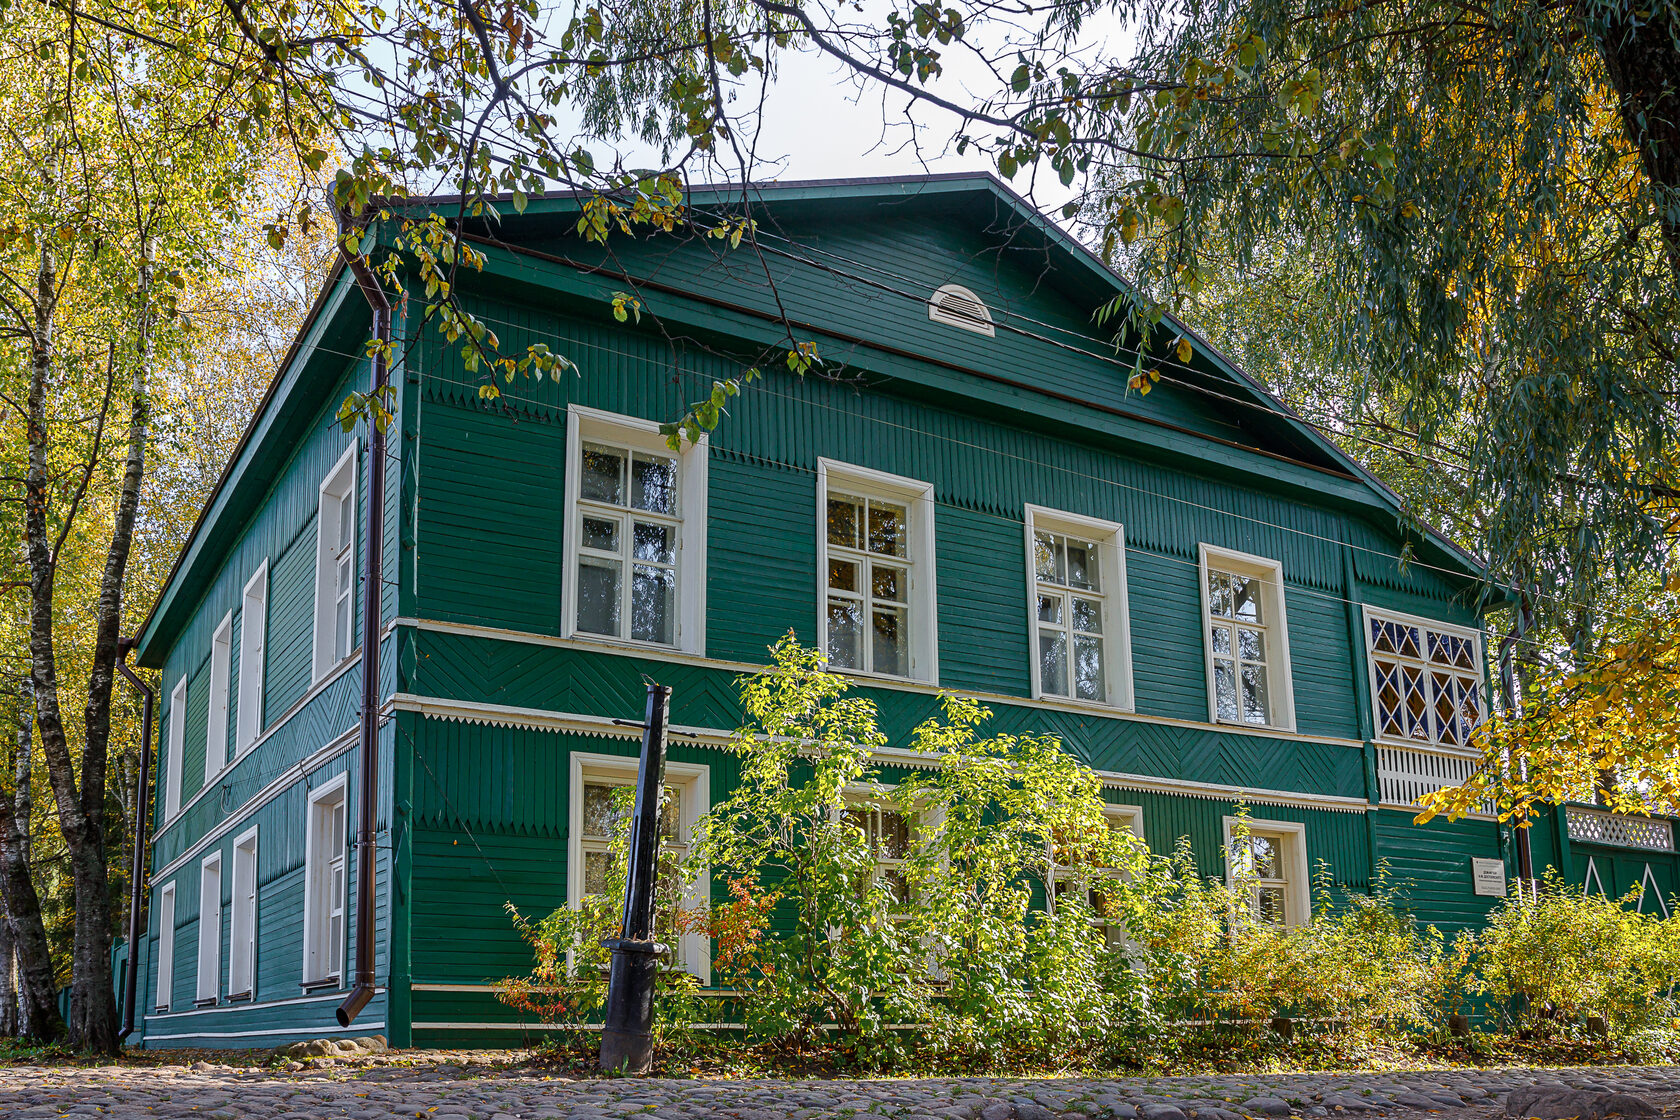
[(1595, 826), (577, 723)]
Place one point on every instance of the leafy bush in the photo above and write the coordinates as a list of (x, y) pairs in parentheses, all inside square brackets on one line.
[(1564, 954)]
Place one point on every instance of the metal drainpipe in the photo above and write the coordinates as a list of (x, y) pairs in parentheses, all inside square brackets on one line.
[(372, 571), (1508, 679), (137, 874)]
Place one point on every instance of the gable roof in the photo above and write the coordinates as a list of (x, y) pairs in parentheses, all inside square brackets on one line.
[(338, 323)]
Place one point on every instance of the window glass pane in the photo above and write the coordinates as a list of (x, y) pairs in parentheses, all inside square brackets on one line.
[(670, 813), (657, 543), (1417, 706), (886, 529), (890, 641), (652, 592), (1050, 608), (601, 533), (1446, 709), (845, 633), (653, 484), (1088, 668), (888, 582), (894, 835), (346, 521), (1254, 708), (342, 628), (1382, 638), (1052, 662), (602, 477), (1263, 855), (842, 575), (1225, 689), (1221, 638), (1082, 564), (1269, 906), (598, 596), (1219, 593), (1251, 644), (598, 810), (1087, 615), (1047, 558), (1245, 598), (1406, 643), (597, 866), (843, 522)]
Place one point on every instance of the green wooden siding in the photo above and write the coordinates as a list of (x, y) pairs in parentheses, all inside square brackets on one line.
[(1431, 864)]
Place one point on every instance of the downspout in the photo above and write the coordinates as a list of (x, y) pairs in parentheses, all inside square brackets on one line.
[(1508, 679), (373, 565), (137, 874)]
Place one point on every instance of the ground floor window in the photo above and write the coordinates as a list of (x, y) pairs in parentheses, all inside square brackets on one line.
[(324, 886), (210, 928), (165, 992), (1072, 874), (242, 944), (1268, 861), (889, 832), (602, 794)]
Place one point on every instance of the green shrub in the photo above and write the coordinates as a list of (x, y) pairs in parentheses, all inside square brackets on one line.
[(1563, 955)]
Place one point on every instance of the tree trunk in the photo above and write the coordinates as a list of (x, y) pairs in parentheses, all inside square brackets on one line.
[(81, 801), (35, 999), (1638, 46)]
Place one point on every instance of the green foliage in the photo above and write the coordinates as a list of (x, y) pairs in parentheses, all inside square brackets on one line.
[(1564, 954)]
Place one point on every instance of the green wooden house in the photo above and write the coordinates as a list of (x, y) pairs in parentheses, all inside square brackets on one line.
[(1193, 588)]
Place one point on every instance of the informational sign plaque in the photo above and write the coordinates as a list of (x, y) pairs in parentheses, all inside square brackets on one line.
[(1489, 875)]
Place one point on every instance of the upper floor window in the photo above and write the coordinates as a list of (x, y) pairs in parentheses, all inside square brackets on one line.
[(1077, 598), (636, 512), (253, 635), (1247, 640), (175, 750), (221, 667), (335, 566), (875, 571), (1426, 679)]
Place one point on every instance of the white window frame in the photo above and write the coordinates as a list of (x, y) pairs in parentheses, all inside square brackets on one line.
[(253, 641), (694, 781), (209, 988), (923, 599), (242, 939), (1110, 537), (876, 797), (216, 727), (590, 425), (163, 996), (175, 750), (1292, 839), (1473, 636), (340, 485), (1280, 687), (1129, 818), (317, 884)]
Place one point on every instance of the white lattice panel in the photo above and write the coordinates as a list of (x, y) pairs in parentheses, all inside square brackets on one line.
[(1594, 826), (1403, 776)]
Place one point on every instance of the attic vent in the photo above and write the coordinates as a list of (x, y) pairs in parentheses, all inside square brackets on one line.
[(959, 307)]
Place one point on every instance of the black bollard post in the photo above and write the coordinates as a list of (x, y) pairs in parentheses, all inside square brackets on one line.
[(627, 1034)]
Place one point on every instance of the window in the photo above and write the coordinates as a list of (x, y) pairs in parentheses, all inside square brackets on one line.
[(221, 665), (164, 994), (210, 928), (875, 570), (176, 748), (1069, 874), (1076, 580), (1248, 640), (1426, 679), (595, 779), (242, 943), (335, 566), (889, 831), (636, 560), (957, 306), (253, 632), (324, 884), (1270, 864)]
